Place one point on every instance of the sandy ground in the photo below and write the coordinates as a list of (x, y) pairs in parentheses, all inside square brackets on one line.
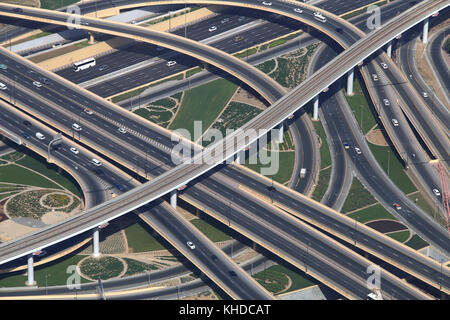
[(57, 216), (11, 230), (244, 96), (376, 137)]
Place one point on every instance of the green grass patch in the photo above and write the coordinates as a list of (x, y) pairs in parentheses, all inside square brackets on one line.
[(210, 231), (387, 159), (135, 267), (235, 116), (12, 156), (267, 66), (285, 166), (357, 197), (55, 4), (276, 279), (193, 71), (400, 236), (140, 239), (103, 267), (360, 108), (246, 53), (371, 213), (15, 174), (416, 242), (55, 272), (37, 163), (322, 185), (203, 103), (325, 155)]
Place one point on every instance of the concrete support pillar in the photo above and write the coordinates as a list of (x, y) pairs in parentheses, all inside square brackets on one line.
[(389, 49), (316, 108), (96, 242), (280, 133), (237, 157), (426, 22), (350, 77), (173, 199), (91, 38), (30, 281)]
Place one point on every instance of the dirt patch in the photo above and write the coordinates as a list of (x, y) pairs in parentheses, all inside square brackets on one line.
[(385, 226), (245, 96), (375, 136), (56, 216), (10, 230)]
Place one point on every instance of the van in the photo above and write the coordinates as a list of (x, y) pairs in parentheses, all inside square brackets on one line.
[(302, 172), (76, 127), (40, 136)]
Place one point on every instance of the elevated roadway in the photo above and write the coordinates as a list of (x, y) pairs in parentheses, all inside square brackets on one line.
[(268, 110)]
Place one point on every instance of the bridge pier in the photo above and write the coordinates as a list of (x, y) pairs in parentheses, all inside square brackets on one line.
[(350, 77), (91, 38), (173, 199), (426, 23), (316, 108), (280, 133), (389, 49), (30, 281), (96, 243)]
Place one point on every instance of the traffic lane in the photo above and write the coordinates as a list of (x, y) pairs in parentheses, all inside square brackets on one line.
[(137, 51), (315, 214), (387, 192), (441, 66), (414, 153), (103, 142), (278, 223), (252, 76), (407, 60), (79, 161), (219, 267)]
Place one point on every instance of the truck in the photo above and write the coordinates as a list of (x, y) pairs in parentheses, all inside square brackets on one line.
[(302, 172)]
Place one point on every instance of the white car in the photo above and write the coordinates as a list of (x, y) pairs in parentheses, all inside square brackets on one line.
[(425, 95), (357, 150), (37, 84), (190, 245), (122, 130), (436, 192), (95, 162), (40, 136), (374, 77), (171, 63), (395, 122), (298, 10), (384, 65), (76, 127), (3, 86), (213, 28), (88, 111), (74, 150), (386, 102), (267, 3)]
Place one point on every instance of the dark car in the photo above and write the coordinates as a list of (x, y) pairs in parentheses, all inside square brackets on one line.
[(57, 147), (27, 123), (120, 187), (44, 80), (103, 67), (232, 273), (214, 258), (26, 136), (18, 10)]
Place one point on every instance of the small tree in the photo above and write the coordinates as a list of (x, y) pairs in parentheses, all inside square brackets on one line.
[(446, 46)]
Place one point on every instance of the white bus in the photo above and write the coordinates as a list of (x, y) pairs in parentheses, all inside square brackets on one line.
[(319, 17), (84, 64)]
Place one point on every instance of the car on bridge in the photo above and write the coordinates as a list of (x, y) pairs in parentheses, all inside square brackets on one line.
[(384, 65), (346, 145), (395, 122), (436, 192), (3, 86), (374, 77), (397, 206), (267, 3), (171, 63), (3, 66), (213, 28), (386, 102), (298, 10)]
